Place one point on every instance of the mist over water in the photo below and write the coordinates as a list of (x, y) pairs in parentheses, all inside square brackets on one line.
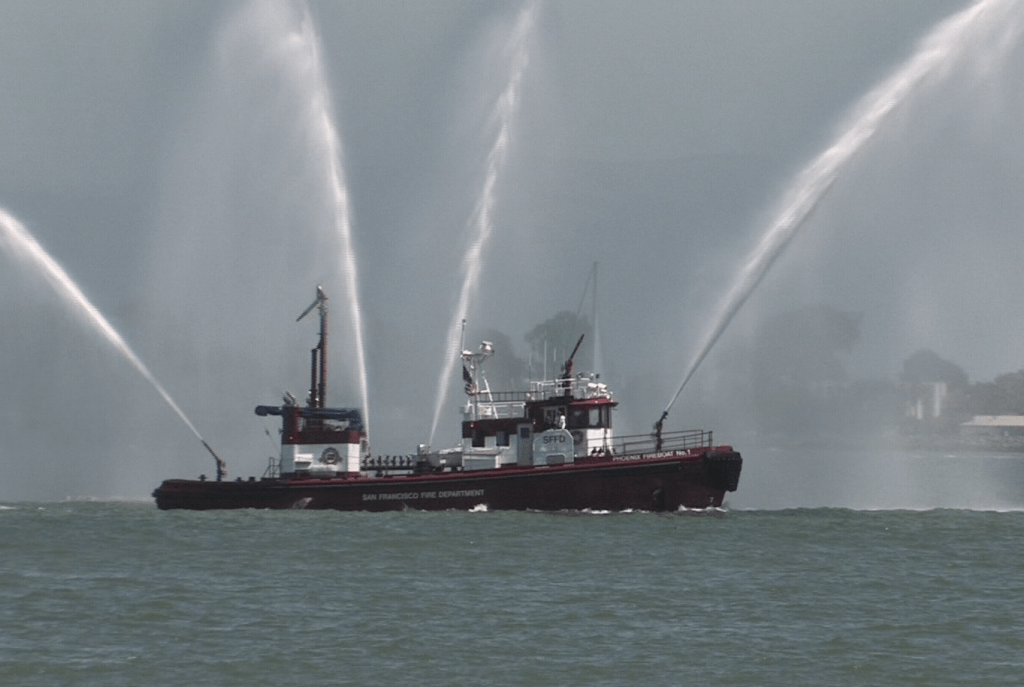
[(482, 222), (192, 167), (256, 213), (976, 28), (22, 245)]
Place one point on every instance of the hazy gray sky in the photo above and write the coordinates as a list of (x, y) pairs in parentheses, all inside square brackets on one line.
[(157, 150)]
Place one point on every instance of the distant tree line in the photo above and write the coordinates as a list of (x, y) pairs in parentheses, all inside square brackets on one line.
[(801, 386), (1002, 396), (792, 379)]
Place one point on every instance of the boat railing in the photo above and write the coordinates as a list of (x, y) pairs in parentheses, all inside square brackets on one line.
[(670, 441), (579, 387), (504, 396), (489, 405)]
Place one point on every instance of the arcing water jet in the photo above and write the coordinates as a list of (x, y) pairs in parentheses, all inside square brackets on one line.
[(22, 245), (298, 46), (482, 221), (949, 41), (321, 121)]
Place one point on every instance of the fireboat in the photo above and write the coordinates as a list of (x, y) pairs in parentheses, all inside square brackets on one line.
[(550, 448)]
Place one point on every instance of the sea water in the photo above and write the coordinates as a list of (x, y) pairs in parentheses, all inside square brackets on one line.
[(120, 593)]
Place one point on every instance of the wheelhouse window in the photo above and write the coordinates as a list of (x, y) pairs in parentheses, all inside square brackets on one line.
[(593, 417), (553, 416)]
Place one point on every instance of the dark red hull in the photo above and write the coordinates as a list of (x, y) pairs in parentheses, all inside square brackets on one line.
[(691, 479)]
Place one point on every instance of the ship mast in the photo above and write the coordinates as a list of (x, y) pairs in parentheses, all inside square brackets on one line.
[(567, 367), (318, 355)]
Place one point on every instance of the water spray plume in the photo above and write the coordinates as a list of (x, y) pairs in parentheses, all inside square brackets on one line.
[(941, 48), (19, 242), (483, 222), (323, 128), (286, 31)]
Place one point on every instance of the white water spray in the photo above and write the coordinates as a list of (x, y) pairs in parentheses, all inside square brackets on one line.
[(482, 221), (298, 48), (319, 111), (21, 244), (948, 42)]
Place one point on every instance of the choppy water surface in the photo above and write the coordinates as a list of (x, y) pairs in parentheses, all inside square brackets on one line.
[(123, 594)]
